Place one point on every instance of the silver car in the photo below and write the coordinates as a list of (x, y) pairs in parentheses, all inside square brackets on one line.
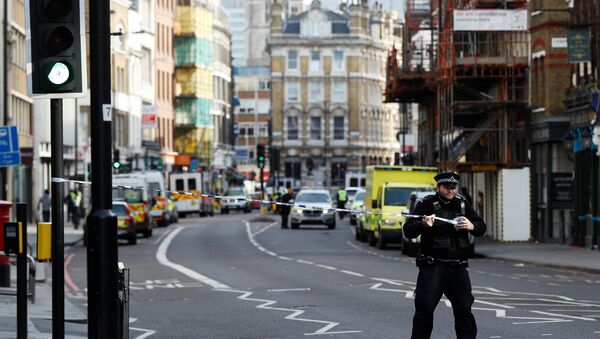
[(313, 206)]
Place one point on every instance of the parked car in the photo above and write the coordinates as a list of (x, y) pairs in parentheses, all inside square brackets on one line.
[(255, 203), (357, 204), (125, 224), (235, 199), (313, 206)]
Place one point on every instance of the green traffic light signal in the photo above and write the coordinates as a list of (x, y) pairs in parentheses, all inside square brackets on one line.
[(116, 165), (56, 48)]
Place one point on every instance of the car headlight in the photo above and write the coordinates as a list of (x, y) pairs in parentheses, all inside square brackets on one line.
[(325, 211), (390, 222), (298, 210)]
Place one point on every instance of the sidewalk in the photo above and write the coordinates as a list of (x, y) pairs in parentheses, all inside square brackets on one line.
[(553, 255), (39, 314)]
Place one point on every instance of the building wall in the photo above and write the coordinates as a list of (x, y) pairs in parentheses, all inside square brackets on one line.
[(368, 128), (165, 71)]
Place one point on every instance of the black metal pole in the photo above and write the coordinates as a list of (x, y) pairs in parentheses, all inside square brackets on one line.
[(102, 252), (57, 242), (22, 274)]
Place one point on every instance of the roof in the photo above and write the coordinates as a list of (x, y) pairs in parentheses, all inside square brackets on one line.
[(339, 22)]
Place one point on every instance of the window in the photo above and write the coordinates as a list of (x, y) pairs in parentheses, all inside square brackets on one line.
[(338, 128), (315, 61), (315, 128), (250, 131), (338, 60), (264, 85), (293, 90), (339, 92), (146, 65), (292, 128), (315, 93), (292, 59), (146, 15)]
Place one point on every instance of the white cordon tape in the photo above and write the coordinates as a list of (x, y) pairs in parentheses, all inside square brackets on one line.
[(263, 202)]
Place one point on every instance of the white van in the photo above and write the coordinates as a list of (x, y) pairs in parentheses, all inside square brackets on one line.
[(190, 182)]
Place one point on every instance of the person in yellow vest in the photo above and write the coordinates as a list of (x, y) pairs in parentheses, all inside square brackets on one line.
[(342, 198), (76, 198)]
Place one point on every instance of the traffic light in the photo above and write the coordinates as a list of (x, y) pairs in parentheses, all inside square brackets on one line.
[(56, 48), (116, 159), (260, 155)]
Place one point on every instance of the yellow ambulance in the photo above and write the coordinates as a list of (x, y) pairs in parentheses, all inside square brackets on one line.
[(387, 191)]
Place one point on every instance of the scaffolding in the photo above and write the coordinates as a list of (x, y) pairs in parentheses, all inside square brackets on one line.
[(471, 84)]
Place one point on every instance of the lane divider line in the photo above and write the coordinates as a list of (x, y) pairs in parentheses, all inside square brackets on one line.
[(161, 257)]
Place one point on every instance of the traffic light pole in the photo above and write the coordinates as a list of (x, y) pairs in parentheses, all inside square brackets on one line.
[(57, 240), (102, 252)]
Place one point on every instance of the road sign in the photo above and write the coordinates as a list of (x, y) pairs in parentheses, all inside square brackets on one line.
[(10, 154)]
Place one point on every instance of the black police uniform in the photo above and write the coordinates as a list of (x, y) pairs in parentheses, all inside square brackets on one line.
[(284, 210), (442, 263)]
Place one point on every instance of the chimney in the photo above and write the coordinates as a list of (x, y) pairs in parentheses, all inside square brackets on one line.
[(276, 16), (355, 13)]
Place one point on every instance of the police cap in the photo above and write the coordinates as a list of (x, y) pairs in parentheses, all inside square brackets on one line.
[(450, 179)]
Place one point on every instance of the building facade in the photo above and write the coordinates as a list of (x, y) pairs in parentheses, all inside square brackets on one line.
[(327, 82), (551, 170), (580, 107)]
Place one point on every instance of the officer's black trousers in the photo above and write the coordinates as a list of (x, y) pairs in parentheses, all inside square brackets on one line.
[(284, 220), (452, 281)]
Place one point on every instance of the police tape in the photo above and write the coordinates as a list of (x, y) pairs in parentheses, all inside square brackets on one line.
[(262, 202)]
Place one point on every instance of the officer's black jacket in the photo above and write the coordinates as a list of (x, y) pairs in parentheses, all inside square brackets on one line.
[(434, 239)]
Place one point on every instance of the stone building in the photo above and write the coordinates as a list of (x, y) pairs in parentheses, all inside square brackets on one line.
[(327, 83)]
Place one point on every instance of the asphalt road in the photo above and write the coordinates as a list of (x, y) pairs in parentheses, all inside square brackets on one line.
[(226, 277)]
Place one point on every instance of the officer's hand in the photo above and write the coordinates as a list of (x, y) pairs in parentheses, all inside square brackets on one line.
[(428, 220), (465, 224)]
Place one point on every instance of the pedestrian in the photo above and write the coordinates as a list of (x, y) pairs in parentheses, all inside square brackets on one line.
[(442, 260), (342, 198), (284, 210), (76, 202), (69, 203), (46, 204)]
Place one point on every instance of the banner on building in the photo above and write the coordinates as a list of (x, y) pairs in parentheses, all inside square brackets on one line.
[(148, 116), (578, 41), (490, 20)]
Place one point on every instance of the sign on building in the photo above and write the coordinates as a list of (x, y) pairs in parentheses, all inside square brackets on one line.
[(148, 116), (10, 154), (490, 20), (578, 40)]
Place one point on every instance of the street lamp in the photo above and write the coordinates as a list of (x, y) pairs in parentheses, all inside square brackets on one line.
[(568, 143), (586, 138)]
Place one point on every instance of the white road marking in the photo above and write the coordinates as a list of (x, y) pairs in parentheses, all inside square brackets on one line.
[(564, 316), (352, 273), (289, 289), (305, 262), (264, 229), (161, 256), (146, 333), (493, 293)]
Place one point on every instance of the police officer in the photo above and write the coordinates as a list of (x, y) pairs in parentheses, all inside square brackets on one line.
[(285, 209), (443, 261), (342, 198)]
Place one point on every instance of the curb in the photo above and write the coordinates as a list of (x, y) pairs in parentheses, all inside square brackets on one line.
[(544, 264)]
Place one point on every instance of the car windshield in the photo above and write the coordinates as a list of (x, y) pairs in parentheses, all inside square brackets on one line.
[(360, 197), (313, 197), (119, 210), (129, 195), (396, 196), (235, 191), (350, 193)]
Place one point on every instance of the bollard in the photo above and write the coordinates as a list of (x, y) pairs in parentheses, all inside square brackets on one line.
[(4, 260), (124, 300)]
